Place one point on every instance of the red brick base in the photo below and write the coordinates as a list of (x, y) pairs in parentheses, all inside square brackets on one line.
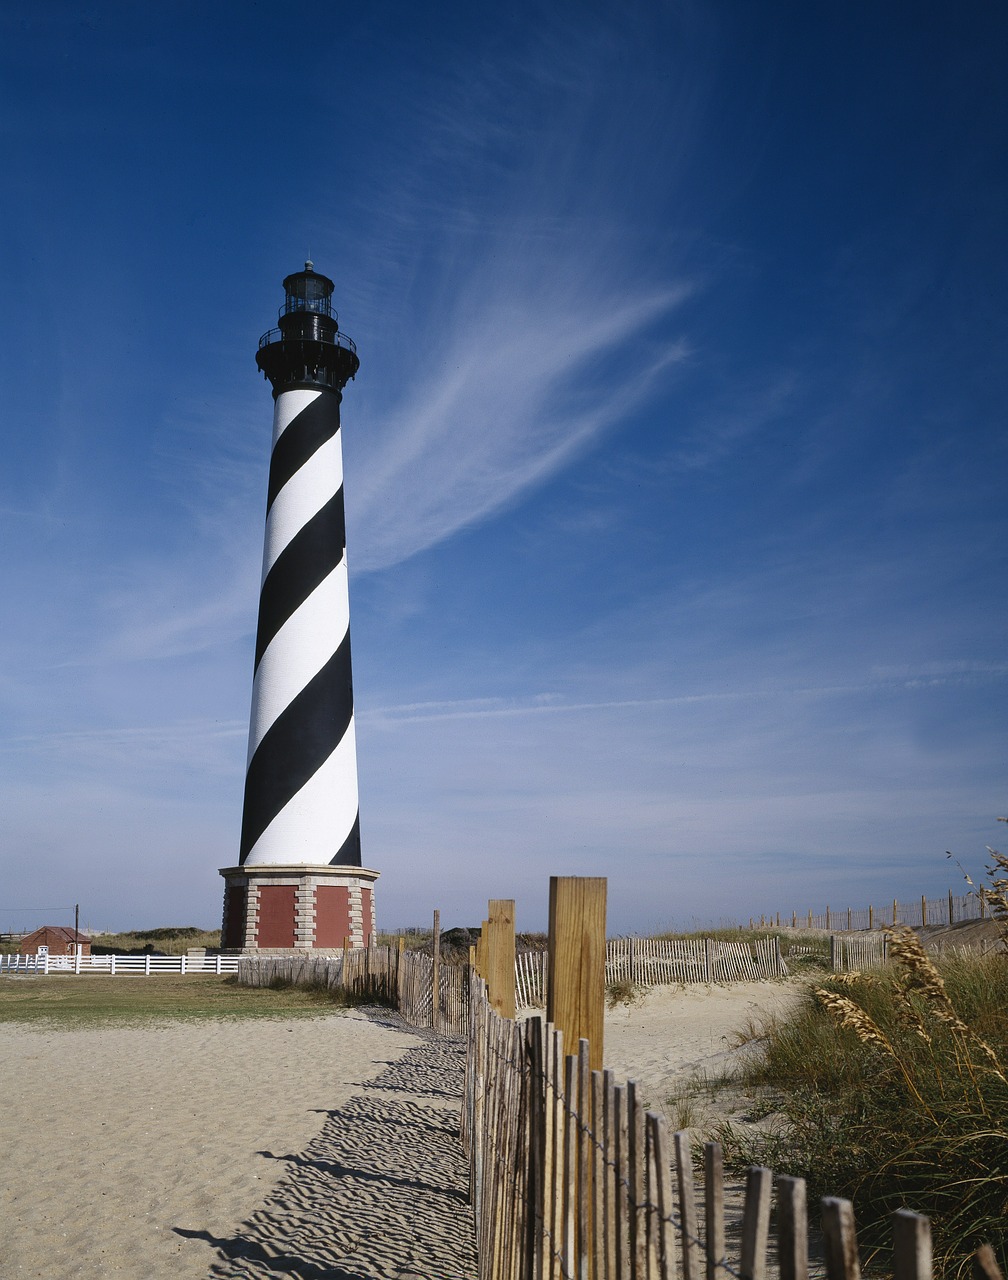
[(297, 908)]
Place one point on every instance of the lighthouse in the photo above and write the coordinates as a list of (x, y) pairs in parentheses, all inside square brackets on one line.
[(299, 884)]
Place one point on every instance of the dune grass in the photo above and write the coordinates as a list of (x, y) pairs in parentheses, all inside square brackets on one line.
[(895, 1094), (96, 1000), (169, 940)]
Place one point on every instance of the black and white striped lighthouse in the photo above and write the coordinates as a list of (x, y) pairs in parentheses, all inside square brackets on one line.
[(299, 883)]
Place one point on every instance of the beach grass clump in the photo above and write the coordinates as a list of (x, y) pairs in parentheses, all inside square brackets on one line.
[(168, 940), (895, 1093), (623, 993)]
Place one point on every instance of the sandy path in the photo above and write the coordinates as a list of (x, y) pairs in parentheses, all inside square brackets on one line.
[(178, 1150), (675, 1033), (315, 1148)]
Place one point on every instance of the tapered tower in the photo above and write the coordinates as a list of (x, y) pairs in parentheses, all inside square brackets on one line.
[(299, 883)]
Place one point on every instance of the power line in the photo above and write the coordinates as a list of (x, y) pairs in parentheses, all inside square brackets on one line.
[(29, 910)]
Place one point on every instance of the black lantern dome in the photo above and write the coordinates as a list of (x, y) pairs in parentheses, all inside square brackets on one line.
[(307, 349)]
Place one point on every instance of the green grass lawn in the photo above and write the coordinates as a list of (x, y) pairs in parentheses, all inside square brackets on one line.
[(101, 1000)]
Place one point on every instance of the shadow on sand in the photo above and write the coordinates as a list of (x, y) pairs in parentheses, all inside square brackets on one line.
[(380, 1193)]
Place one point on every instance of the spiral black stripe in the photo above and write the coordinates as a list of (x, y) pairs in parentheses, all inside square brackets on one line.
[(310, 556), (296, 745), (349, 854), (305, 432)]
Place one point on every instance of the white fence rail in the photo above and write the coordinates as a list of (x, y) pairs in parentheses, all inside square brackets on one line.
[(145, 964)]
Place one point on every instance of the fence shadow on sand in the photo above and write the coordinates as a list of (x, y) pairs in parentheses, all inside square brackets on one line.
[(381, 1191)]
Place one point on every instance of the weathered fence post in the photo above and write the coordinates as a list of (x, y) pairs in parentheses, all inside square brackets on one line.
[(792, 1229), (689, 1236), (575, 991), (436, 974), (714, 1235), (500, 976), (985, 1265), (911, 1246), (756, 1222), (840, 1238)]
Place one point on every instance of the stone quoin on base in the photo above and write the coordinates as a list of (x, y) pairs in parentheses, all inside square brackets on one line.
[(299, 883)]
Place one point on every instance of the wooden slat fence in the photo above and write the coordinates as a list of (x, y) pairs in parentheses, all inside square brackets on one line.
[(572, 1179), (530, 979), (952, 908), (858, 951), (649, 962), (402, 979), (405, 979)]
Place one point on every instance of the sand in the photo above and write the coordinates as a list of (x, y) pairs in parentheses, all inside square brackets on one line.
[(673, 1035), (301, 1147)]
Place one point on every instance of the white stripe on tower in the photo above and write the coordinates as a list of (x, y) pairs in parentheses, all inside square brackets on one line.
[(301, 802)]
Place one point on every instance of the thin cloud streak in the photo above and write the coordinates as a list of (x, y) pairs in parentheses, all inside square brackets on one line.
[(955, 674)]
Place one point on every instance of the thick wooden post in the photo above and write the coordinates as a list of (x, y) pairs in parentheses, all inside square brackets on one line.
[(500, 975), (575, 995), (436, 975), (481, 952), (950, 920), (400, 973), (923, 911)]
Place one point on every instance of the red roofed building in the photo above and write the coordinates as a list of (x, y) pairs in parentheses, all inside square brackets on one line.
[(57, 939)]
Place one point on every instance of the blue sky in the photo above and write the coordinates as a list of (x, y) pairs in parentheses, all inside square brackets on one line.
[(674, 467)]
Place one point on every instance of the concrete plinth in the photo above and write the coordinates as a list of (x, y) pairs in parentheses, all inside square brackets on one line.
[(282, 909)]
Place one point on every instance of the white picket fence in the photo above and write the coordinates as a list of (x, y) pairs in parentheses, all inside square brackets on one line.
[(145, 964)]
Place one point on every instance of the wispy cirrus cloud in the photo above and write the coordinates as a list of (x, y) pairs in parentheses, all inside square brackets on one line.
[(507, 407)]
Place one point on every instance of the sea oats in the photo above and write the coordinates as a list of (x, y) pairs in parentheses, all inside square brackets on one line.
[(921, 975), (853, 976), (907, 1012), (854, 1018)]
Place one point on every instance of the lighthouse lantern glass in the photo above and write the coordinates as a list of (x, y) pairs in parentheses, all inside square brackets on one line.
[(308, 291)]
